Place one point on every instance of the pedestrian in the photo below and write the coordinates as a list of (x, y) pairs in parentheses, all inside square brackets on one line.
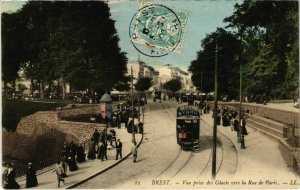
[(204, 107), (100, 150), (5, 175), (134, 151), (126, 118), (236, 127), (80, 154), (11, 178), (96, 137), (71, 157), (31, 180), (243, 126), (64, 165), (208, 108), (119, 149), (113, 136), (64, 159), (105, 150), (59, 171), (91, 152)]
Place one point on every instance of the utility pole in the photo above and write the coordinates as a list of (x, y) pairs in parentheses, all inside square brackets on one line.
[(201, 104), (133, 132), (240, 110), (214, 156)]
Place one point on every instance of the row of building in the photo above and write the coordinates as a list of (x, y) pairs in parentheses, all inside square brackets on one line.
[(160, 74)]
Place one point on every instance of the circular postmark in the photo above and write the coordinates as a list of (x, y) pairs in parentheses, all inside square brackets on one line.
[(155, 30)]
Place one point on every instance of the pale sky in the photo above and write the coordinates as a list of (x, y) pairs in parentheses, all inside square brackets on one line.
[(205, 17)]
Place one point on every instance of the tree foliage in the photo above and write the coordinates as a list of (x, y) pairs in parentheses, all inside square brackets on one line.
[(264, 42), (143, 84), (71, 41), (228, 67), (173, 85), (123, 84), (269, 30), (12, 52)]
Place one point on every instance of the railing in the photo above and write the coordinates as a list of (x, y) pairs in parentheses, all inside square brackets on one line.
[(21, 171)]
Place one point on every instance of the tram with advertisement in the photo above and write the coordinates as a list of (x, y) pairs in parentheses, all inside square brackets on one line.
[(188, 126)]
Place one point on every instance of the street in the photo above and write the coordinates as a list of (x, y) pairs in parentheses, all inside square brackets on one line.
[(162, 164)]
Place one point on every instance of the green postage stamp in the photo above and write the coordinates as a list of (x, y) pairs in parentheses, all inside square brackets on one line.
[(159, 28)]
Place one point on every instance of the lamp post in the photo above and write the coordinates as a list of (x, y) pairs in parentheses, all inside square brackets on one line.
[(133, 132), (215, 116), (201, 104), (240, 109)]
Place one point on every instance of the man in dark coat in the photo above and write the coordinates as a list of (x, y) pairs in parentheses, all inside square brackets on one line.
[(243, 126), (236, 127), (96, 137), (31, 180), (119, 149)]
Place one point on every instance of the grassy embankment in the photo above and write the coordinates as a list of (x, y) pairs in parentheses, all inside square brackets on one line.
[(14, 110)]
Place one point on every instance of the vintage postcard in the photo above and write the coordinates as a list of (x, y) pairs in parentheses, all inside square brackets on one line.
[(150, 94)]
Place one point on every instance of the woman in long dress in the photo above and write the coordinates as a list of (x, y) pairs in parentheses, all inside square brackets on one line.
[(91, 153), (80, 154), (31, 180), (12, 184)]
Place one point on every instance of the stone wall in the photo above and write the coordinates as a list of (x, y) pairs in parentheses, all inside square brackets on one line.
[(41, 135), (80, 109), (73, 112), (289, 147), (287, 117), (35, 147)]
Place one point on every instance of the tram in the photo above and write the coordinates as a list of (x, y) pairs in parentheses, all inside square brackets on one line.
[(188, 126)]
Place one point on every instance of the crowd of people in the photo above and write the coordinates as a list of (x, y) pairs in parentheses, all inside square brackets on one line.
[(70, 155), (229, 117)]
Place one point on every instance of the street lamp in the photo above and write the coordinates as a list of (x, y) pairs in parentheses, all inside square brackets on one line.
[(240, 108), (215, 116), (201, 104), (133, 132)]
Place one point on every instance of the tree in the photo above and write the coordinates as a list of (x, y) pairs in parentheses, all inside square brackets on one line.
[(143, 84), (229, 47), (262, 72), (12, 52), (123, 84), (270, 26), (73, 42), (173, 85)]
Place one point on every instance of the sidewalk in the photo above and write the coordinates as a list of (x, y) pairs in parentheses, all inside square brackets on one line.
[(89, 168), (261, 159)]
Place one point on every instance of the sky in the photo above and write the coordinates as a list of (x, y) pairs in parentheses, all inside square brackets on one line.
[(205, 16)]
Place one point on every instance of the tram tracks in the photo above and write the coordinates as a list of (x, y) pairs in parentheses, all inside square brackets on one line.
[(186, 162), (178, 163), (230, 155)]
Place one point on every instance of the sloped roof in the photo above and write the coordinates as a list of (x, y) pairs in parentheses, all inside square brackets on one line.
[(105, 98)]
